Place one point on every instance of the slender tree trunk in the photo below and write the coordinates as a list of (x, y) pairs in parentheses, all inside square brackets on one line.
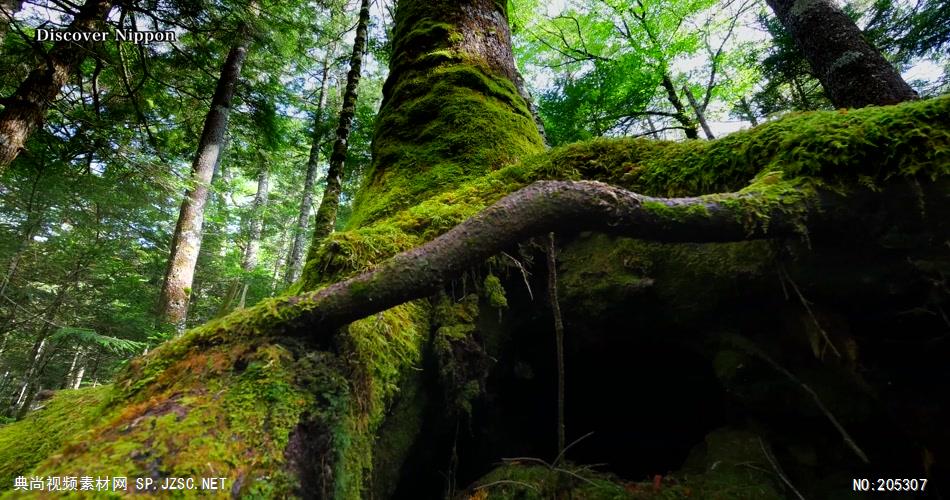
[(30, 378), (747, 111), (681, 116), (73, 367), (326, 214), (24, 111), (653, 131), (313, 162), (186, 242), (77, 380), (700, 115), (256, 224), (255, 228), (283, 257), (852, 72), (238, 286)]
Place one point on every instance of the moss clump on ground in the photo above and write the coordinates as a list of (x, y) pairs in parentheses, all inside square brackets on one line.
[(731, 464), (63, 418)]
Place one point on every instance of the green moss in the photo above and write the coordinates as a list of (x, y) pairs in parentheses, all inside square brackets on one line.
[(425, 141), (729, 464), (494, 292), (63, 418), (230, 395), (599, 272), (458, 352), (228, 410)]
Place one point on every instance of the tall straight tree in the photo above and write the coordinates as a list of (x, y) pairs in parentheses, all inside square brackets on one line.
[(295, 266), (186, 242), (852, 72), (326, 214), (24, 111), (255, 228)]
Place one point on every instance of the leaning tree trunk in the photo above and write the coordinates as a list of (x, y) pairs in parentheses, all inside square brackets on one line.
[(746, 109), (186, 242), (295, 266), (700, 114), (681, 115), (24, 111), (325, 219), (852, 72)]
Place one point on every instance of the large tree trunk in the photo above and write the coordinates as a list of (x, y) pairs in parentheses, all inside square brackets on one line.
[(24, 111), (325, 219), (301, 233), (852, 72), (186, 242)]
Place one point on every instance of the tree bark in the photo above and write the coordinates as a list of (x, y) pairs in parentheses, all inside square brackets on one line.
[(313, 163), (8, 8), (688, 126), (25, 110), (186, 242), (852, 72), (326, 214), (700, 115)]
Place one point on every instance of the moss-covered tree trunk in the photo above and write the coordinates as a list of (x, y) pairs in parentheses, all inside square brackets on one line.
[(24, 111), (852, 72), (325, 219)]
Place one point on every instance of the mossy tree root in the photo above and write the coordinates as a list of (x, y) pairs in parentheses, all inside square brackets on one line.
[(539, 208)]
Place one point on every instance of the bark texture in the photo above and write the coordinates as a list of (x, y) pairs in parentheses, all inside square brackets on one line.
[(853, 73), (326, 214), (186, 242), (25, 110), (295, 266)]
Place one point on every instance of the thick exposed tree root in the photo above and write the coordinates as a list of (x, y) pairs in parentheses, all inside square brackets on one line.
[(541, 207)]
